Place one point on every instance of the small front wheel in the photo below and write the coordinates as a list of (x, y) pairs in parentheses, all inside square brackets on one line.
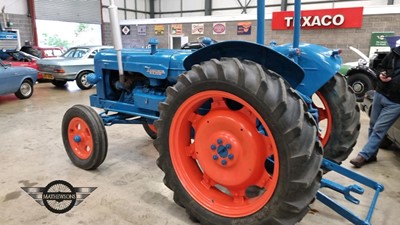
[(84, 137), (151, 130)]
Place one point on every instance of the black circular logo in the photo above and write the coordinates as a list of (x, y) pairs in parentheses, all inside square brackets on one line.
[(59, 196)]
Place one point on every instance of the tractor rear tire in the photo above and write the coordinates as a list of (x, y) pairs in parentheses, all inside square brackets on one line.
[(238, 146), (342, 115), (84, 137)]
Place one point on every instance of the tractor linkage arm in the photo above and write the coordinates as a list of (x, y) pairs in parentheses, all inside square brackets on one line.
[(346, 191)]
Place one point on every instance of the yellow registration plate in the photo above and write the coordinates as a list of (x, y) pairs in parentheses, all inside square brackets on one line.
[(48, 76)]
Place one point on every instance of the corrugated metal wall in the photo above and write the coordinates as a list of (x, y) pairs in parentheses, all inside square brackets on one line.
[(78, 11)]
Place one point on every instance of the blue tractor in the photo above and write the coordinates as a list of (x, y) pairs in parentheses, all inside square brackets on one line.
[(242, 129)]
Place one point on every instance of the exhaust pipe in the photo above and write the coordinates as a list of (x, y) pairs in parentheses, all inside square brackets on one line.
[(116, 33)]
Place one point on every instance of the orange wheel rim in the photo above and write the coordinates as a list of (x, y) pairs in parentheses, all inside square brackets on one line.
[(80, 138), (324, 119), (227, 155), (152, 128)]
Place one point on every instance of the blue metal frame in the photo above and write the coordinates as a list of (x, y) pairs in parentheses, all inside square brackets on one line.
[(346, 191)]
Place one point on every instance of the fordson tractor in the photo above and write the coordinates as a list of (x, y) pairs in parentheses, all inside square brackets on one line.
[(244, 131)]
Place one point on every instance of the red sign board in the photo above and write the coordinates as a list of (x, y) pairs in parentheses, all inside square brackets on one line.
[(320, 19)]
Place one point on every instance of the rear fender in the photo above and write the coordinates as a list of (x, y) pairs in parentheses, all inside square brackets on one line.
[(260, 54)]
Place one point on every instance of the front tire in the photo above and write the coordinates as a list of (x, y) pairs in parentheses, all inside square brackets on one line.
[(84, 137), (82, 81), (25, 90), (339, 119), (238, 146), (361, 83), (151, 130)]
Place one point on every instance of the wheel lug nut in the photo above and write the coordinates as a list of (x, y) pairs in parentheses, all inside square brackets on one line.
[(215, 157), (230, 156), (228, 146), (224, 162), (213, 147), (219, 141)]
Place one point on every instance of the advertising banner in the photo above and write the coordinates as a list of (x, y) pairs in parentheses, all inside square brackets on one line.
[(141, 29), (320, 19), (244, 28), (176, 29), (198, 28), (219, 28), (158, 29), (378, 42)]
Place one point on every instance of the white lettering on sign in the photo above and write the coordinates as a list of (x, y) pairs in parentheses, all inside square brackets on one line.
[(312, 21)]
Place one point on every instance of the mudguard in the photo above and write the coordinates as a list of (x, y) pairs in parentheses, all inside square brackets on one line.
[(260, 54)]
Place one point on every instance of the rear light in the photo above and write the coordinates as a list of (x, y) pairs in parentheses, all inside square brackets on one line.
[(59, 70)]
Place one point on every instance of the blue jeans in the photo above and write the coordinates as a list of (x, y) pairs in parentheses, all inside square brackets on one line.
[(384, 113)]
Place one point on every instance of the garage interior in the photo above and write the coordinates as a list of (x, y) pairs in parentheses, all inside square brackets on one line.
[(129, 186)]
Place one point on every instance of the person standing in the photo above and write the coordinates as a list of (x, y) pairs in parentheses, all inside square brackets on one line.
[(385, 108)]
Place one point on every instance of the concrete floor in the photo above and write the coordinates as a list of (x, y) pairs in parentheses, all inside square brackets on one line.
[(129, 184)]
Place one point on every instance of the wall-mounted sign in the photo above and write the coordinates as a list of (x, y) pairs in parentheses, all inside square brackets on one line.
[(244, 28), (198, 28), (320, 19), (126, 29), (176, 29), (379, 43), (141, 29), (219, 28), (158, 29)]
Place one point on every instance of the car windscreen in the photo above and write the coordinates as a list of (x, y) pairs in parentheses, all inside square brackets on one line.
[(75, 53)]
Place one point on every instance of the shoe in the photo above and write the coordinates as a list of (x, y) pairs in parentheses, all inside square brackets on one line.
[(359, 161)]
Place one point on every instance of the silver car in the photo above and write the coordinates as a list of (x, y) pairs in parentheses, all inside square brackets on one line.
[(74, 64)]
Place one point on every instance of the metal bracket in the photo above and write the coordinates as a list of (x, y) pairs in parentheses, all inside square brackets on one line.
[(346, 191)]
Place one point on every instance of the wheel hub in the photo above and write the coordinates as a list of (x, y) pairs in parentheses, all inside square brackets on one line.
[(229, 148), (358, 87)]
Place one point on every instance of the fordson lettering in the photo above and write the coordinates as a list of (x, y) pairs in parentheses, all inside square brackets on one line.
[(155, 72), (312, 21)]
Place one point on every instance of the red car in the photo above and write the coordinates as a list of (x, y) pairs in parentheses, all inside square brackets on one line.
[(18, 58)]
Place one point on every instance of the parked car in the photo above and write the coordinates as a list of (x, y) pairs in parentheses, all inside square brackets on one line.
[(42, 52), (201, 42), (393, 135), (18, 58), (17, 80), (74, 64), (362, 77)]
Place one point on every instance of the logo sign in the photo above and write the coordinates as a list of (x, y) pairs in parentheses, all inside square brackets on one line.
[(59, 196), (219, 28), (126, 30), (159, 29), (244, 28), (379, 42), (198, 28), (176, 29), (320, 19), (141, 29)]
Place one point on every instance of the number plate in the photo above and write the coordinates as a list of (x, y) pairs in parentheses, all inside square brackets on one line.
[(48, 76)]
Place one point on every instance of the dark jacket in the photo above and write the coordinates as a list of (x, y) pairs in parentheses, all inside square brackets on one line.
[(391, 64)]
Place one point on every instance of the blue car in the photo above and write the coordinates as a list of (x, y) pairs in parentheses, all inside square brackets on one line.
[(17, 80)]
